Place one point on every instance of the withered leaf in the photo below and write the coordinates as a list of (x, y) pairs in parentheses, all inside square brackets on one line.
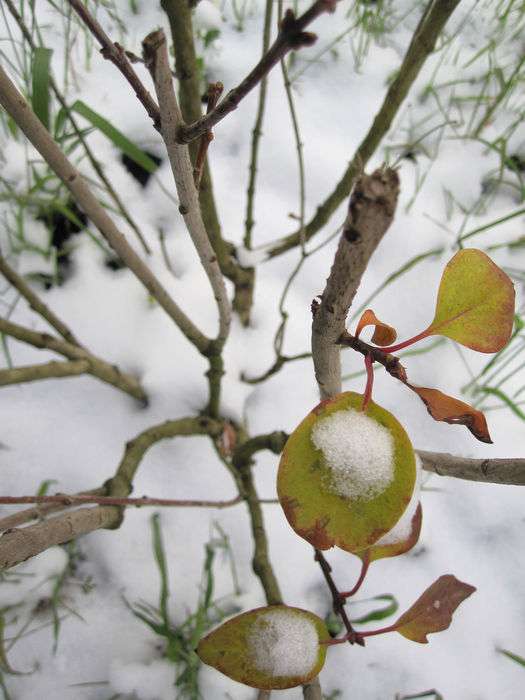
[(432, 611), (446, 408)]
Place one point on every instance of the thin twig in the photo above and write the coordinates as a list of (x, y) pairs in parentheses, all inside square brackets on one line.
[(35, 302), (257, 133), (214, 92), (49, 370), (432, 22), (337, 600), (39, 512), (291, 36), (81, 499), (116, 54), (97, 367)]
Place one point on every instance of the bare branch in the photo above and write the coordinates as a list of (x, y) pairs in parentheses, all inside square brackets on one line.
[(80, 499), (20, 544), (97, 367), (495, 471), (370, 213), (35, 302), (156, 57), (15, 104), (292, 35), (32, 373)]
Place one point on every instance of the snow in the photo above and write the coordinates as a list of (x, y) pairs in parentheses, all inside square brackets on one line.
[(283, 643), (402, 529), (74, 430), (359, 452), (153, 681)]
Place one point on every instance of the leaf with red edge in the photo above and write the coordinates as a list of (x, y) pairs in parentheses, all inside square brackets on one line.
[(475, 304), (307, 483), (275, 647), (383, 333), (446, 408), (432, 611)]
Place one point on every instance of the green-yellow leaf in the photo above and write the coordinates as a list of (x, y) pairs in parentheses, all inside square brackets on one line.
[(349, 503), (475, 304), (268, 648)]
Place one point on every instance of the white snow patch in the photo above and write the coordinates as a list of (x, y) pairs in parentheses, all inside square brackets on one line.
[(207, 16), (283, 643), (153, 681), (359, 452), (402, 529), (34, 580)]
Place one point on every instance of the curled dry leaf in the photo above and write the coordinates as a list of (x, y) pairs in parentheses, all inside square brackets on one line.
[(475, 304), (446, 408), (383, 333), (432, 611)]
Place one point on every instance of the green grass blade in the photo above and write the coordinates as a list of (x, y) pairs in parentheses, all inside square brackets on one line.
[(501, 395), (160, 558), (40, 99), (379, 613), (115, 136), (514, 657)]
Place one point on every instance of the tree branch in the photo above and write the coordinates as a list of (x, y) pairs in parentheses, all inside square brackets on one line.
[(179, 16), (370, 213), (15, 104), (32, 373), (156, 58), (34, 301), (20, 544), (292, 35), (433, 20), (97, 367), (496, 471)]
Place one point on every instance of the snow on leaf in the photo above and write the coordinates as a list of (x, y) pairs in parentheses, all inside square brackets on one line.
[(383, 333), (345, 476), (446, 408), (269, 648), (432, 611), (475, 304)]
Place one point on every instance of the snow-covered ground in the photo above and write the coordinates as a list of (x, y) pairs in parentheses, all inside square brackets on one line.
[(74, 430)]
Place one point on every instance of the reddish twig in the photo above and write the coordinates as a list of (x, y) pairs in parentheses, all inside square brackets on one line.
[(214, 92), (291, 36), (117, 55), (71, 500), (365, 563)]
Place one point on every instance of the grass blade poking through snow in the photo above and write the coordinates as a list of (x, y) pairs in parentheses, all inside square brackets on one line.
[(40, 99)]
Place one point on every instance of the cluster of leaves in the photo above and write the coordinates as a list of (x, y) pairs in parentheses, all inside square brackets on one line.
[(475, 307)]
